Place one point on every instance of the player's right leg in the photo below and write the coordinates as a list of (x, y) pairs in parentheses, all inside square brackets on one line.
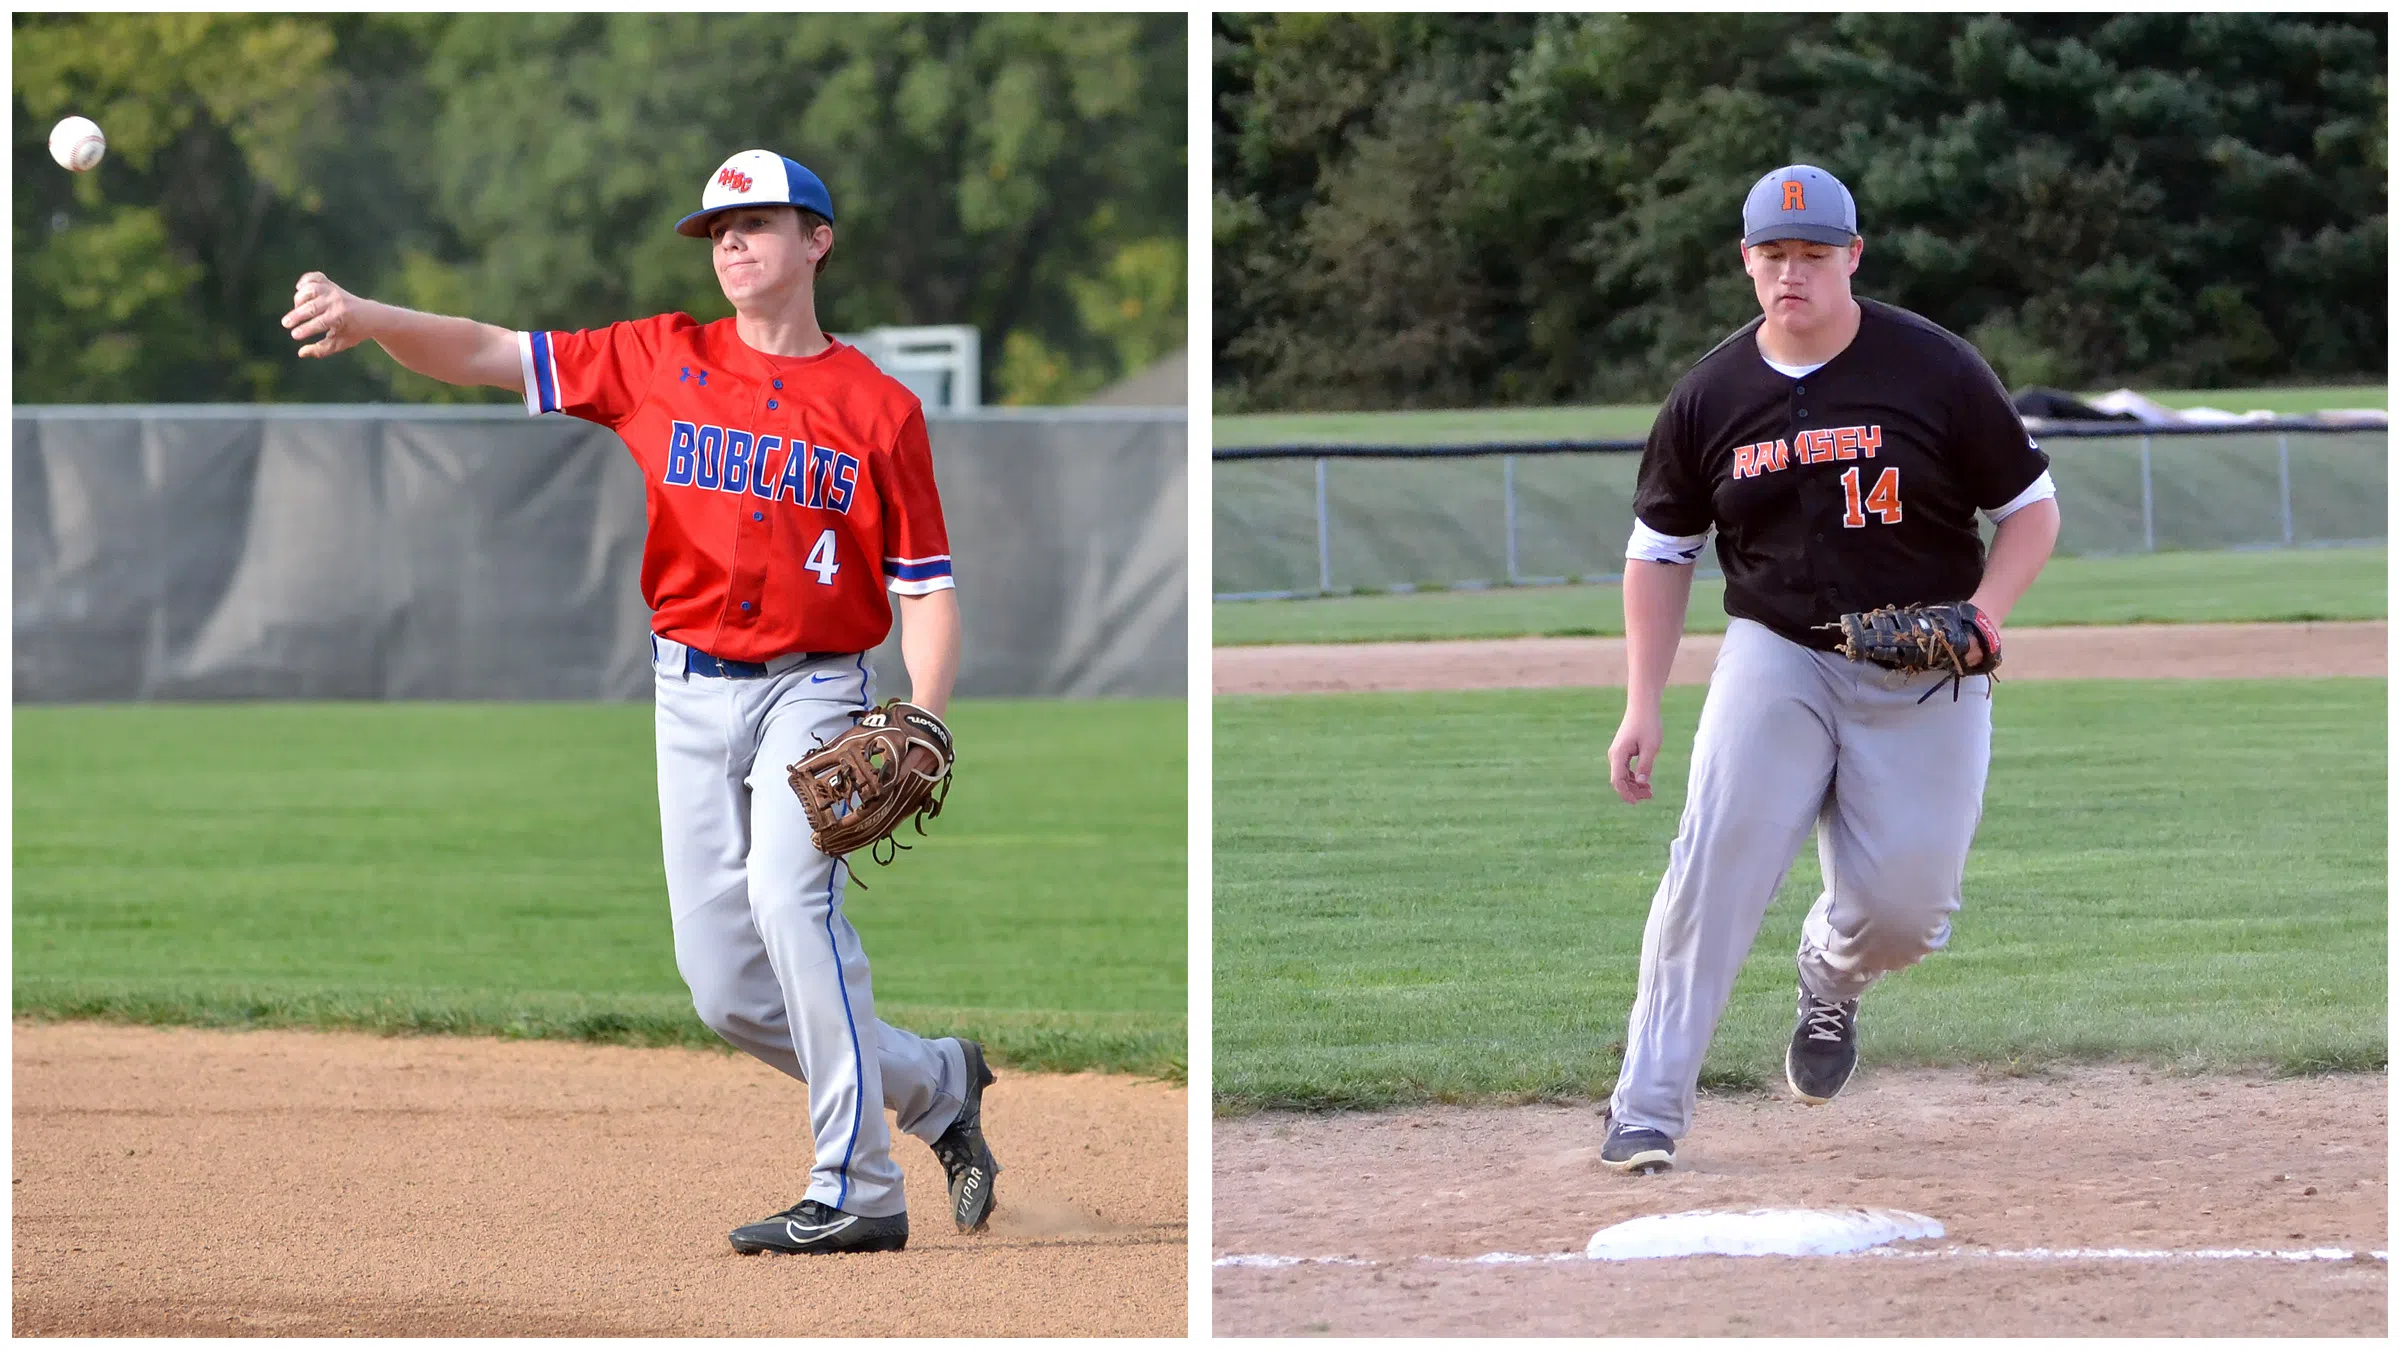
[(704, 828), (1762, 761)]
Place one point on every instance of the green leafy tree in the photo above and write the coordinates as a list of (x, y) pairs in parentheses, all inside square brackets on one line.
[(150, 276), (1468, 209), (979, 164), (1022, 173)]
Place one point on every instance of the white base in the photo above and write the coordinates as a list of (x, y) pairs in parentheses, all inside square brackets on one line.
[(1758, 1232)]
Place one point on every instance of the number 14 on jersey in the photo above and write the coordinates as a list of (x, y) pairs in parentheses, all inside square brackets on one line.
[(1883, 499)]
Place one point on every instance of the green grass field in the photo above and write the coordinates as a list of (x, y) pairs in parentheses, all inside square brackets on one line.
[(494, 869), (2185, 873), (1632, 421), (2262, 586)]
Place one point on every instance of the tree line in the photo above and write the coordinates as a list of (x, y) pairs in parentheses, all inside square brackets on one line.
[(1023, 173), (1450, 210)]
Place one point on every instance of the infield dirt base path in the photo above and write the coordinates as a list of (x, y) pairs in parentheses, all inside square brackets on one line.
[(295, 1183), (2146, 651), (2085, 1158)]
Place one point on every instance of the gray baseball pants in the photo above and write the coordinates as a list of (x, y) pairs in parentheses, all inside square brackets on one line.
[(1791, 738), (773, 964)]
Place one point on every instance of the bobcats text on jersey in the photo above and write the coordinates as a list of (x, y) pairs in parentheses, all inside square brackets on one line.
[(730, 459)]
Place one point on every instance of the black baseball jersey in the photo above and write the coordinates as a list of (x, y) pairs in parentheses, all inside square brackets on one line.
[(1854, 486)]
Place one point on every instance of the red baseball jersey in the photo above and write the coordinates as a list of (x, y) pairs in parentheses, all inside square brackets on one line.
[(786, 494)]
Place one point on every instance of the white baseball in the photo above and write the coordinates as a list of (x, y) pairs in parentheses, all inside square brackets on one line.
[(77, 143)]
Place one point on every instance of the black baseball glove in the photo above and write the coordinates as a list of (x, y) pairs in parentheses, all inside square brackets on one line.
[(1923, 637)]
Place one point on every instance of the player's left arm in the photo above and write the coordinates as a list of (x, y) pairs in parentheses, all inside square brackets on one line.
[(2010, 478), (916, 565), (929, 647), (2021, 544)]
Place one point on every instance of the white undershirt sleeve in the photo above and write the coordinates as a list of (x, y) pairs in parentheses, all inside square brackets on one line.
[(533, 389), (2042, 487), (1650, 546)]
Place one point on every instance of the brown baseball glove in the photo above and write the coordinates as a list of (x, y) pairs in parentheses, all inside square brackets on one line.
[(1922, 637), (858, 789)]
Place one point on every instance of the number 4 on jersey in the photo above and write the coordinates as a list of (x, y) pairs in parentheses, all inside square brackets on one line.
[(1883, 499), (820, 559)]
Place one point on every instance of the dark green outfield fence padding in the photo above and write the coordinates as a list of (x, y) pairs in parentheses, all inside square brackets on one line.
[(1307, 520), (388, 551)]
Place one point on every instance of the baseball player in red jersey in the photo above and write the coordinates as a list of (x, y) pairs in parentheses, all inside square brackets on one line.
[(790, 488)]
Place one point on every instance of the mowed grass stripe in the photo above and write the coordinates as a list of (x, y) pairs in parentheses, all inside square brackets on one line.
[(1631, 421), (1437, 897), (2263, 586), (494, 869)]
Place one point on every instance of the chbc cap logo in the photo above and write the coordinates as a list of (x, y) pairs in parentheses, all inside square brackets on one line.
[(1792, 198), (740, 182)]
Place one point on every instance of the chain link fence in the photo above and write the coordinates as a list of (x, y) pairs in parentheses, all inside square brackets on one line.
[(1321, 520)]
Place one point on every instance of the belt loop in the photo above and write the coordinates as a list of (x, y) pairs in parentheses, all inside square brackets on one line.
[(676, 665)]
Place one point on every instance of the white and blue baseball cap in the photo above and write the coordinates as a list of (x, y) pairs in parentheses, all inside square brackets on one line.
[(757, 178)]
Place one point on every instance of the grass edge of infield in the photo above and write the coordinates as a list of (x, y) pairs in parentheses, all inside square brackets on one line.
[(1145, 1045), (2325, 1061)]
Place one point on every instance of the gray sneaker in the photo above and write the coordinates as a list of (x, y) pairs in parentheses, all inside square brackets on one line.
[(964, 1154), (1637, 1149), (1824, 1050), (815, 1229)]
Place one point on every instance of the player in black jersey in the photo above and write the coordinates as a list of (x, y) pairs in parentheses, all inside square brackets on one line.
[(1840, 449)]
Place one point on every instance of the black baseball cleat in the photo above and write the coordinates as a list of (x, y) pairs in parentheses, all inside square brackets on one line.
[(964, 1154), (1824, 1048), (816, 1229), (1636, 1148)]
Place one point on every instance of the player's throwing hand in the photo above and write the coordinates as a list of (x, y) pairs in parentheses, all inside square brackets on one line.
[(326, 312)]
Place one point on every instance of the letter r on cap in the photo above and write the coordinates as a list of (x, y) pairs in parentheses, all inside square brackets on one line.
[(1793, 200)]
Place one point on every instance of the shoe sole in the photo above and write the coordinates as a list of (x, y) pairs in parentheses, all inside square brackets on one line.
[(973, 1213), (1791, 1079), (890, 1244)]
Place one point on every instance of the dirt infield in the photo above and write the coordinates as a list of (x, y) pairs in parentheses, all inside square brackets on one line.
[(2152, 1166), (2190, 651), (2100, 1201), (289, 1183)]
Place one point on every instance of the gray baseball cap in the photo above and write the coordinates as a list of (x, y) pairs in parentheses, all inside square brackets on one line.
[(1799, 201)]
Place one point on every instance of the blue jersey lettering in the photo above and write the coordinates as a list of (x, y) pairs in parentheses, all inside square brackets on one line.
[(762, 479), (842, 483), (820, 468), (729, 459), (737, 459), (794, 483), (679, 453)]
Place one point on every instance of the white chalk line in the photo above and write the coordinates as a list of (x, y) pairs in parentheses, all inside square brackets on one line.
[(2302, 1255)]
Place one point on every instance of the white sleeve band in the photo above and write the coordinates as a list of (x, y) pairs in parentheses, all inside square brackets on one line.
[(1650, 546), (2042, 487), (926, 587), (533, 388)]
